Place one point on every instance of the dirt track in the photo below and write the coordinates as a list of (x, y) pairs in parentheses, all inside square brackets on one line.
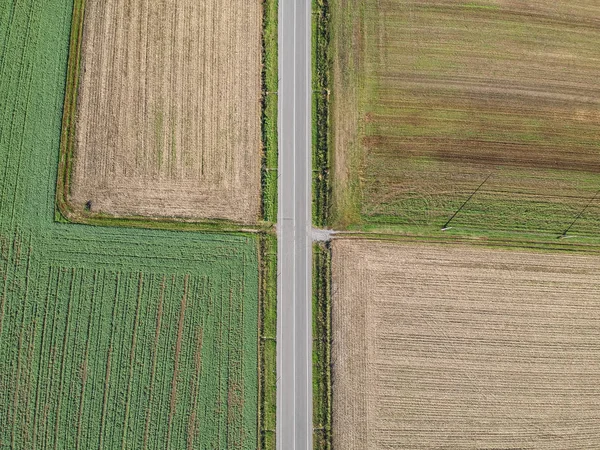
[(169, 109), (464, 348)]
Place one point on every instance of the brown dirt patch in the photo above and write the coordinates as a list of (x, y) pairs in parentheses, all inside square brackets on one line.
[(168, 115), (464, 348)]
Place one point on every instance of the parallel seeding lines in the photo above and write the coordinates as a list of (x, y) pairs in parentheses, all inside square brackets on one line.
[(197, 152), (84, 368), (178, 343), (132, 359), (64, 353), (113, 326), (159, 313)]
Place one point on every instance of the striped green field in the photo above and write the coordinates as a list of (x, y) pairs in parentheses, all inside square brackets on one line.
[(109, 338)]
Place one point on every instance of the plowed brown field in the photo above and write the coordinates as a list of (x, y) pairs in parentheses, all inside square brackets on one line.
[(168, 114), (452, 347), (431, 98)]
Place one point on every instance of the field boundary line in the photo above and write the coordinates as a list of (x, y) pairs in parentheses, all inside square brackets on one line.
[(67, 137), (487, 241)]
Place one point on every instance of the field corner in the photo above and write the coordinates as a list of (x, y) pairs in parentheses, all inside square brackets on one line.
[(322, 390), (269, 112), (267, 342), (320, 112)]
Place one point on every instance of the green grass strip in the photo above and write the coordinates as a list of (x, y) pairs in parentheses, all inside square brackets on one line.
[(269, 111), (268, 242), (267, 342), (67, 140), (321, 63), (322, 347)]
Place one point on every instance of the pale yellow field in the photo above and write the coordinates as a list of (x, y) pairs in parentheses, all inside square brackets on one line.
[(168, 114), (452, 347)]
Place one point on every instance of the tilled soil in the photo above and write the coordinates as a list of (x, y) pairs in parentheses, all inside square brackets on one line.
[(464, 348), (431, 98), (168, 119)]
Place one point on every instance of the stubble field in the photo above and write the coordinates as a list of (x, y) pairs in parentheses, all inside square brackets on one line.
[(168, 116), (462, 347), (109, 337), (431, 100)]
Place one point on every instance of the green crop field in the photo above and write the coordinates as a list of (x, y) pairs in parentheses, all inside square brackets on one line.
[(109, 338), (487, 109)]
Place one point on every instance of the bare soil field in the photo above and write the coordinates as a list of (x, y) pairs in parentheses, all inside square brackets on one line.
[(431, 98), (168, 113), (453, 347)]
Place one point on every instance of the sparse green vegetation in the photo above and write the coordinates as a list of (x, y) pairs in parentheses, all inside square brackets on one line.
[(269, 112), (268, 342), (322, 346), (320, 111)]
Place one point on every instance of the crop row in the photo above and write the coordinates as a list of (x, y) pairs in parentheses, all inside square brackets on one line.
[(126, 359)]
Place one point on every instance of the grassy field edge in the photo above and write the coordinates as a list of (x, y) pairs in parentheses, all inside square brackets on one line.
[(321, 64), (267, 342), (269, 111), (64, 210), (322, 414)]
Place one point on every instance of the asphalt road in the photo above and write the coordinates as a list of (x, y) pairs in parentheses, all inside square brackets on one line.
[(294, 285)]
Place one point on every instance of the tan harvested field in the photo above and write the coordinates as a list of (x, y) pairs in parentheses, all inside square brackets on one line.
[(168, 114), (452, 347), (429, 98)]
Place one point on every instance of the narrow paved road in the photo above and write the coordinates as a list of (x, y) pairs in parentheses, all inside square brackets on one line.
[(294, 285)]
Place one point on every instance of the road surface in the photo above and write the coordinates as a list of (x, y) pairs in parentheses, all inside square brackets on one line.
[(294, 285)]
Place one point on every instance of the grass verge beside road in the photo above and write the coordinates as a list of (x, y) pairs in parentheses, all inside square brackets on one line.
[(320, 111), (268, 242), (322, 346), (267, 342), (269, 111)]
